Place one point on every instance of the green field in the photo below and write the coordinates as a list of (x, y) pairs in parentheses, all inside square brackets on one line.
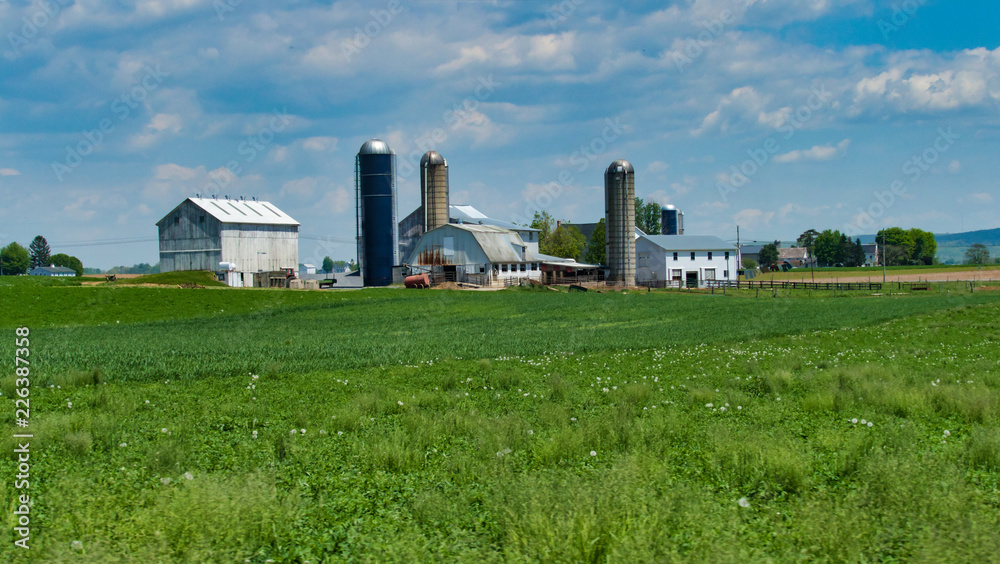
[(219, 425)]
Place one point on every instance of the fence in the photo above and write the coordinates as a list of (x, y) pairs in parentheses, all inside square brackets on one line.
[(788, 285)]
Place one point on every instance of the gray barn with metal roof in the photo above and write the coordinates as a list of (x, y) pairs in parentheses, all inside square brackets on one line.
[(253, 236)]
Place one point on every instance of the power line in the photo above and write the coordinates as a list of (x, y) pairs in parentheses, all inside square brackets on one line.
[(105, 242)]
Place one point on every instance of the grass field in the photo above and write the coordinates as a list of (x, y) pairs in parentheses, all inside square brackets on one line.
[(927, 272), (215, 425)]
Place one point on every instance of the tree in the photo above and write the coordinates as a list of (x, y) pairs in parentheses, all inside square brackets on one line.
[(596, 250), (857, 257), (15, 259), (924, 246), (978, 253), (353, 267), (544, 223), (749, 264), (565, 242), (62, 259), (768, 255), (829, 247), (647, 217), (807, 239), (40, 252), (327, 264)]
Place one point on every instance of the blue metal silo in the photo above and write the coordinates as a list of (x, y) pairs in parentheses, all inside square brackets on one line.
[(375, 191)]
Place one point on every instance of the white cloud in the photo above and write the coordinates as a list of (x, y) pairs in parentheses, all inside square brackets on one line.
[(753, 219), (817, 153), (159, 125), (9, 172), (742, 108), (955, 167), (657, 166), (320, 144), (978, 198), (334, 201)]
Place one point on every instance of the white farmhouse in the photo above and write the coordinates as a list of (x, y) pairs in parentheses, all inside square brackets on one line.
[(685, 260), (249, 236)]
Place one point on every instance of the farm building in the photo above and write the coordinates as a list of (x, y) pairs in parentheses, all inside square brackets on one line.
[(411, 227), (685, 260), (477, 254), (52, 271), (487, 255), (795, 257), (250, 236)]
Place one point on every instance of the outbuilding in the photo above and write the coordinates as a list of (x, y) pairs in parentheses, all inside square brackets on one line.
[(250, 236), (479, 254), (690, 261), (52, 271)]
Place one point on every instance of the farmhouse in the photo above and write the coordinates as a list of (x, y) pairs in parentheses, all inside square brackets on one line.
[(249, 236), (52, 271), (688, 260)]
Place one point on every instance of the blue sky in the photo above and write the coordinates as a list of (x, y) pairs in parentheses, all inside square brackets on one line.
[(774, 115)]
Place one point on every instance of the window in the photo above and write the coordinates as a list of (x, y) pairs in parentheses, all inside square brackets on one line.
[(177, 220), (709, 255), (692, 255), (725, 274), (524, 267), (676, 274), (534, 266), (675, 256), (503, 268), (201, 219), (727, 255), (482, 269), (709, 274)]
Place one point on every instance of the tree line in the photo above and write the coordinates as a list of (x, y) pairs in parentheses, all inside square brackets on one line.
[(16, 260), (563, 239)]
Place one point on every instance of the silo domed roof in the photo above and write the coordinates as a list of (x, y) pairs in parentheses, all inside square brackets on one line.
[(621, 165), (432, 157), (375, 147)]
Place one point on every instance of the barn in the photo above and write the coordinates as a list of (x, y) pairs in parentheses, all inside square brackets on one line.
[(685, 260), (249, 235)]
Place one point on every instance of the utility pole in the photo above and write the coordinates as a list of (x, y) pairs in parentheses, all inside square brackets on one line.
[(883, 256)]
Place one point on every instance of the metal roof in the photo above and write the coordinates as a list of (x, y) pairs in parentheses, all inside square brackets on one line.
[(434, 158), (549, 259), (751, 249), (54, 269), (689, 242), (375, 147), (497, 243), (796, 253), (620, 165), (243, 211), (469, 215)]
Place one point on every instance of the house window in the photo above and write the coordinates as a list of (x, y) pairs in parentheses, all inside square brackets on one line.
[(482, 269), (534, 266), (503, 268), (675, 256), (727, 255), (524, 267), (676, 274), (725, 274), (709, 274), (692, 255), (709, 255)]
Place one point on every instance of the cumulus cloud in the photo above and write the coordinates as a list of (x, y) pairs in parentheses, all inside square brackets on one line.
[(9, 172), (742, 108), (817, 153), (753, 219), (320, 144)]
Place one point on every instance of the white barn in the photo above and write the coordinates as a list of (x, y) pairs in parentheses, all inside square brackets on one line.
[(685, 260), (478, 254), (250, 236)]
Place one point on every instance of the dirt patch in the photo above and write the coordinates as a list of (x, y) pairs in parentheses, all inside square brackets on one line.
[(448, 286), (989, 288)]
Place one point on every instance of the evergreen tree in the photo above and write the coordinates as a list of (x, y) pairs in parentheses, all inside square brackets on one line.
[(768, 255), (40, 252), (647, 216)]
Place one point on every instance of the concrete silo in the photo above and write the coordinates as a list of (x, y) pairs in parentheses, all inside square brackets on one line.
[(434, 190), (671, 221), (619, 217), (375, 191)]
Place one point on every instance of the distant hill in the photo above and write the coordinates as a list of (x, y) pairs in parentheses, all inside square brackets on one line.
[(952, 246), (988, 237)]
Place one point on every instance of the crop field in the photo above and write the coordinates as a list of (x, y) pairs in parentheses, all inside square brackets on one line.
[(218, 425)]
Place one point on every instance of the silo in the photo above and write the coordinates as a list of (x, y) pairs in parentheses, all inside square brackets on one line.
[(672, 221), (619, 217), (434, 190), (375, 192)]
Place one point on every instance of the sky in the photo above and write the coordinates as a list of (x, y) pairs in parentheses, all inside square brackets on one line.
[(776, 116)]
